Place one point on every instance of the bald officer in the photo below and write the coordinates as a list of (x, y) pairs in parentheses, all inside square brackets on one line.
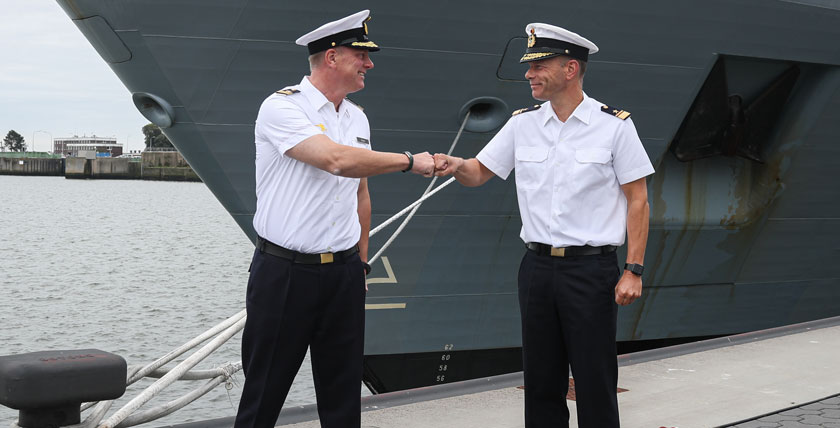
[(580, 180), (307, 286)]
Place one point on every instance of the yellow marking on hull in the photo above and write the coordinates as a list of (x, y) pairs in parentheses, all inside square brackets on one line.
[(372, 306), (391, 279)]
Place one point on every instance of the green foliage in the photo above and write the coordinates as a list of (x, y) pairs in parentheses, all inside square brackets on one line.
[(154, 137), (14, 142)]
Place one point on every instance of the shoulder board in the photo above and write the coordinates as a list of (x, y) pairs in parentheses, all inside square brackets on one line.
[(287, 91), (355, 104), (526, 109), (621, 114)]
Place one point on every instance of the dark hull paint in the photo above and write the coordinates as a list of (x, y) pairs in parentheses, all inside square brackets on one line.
[(735, 245)]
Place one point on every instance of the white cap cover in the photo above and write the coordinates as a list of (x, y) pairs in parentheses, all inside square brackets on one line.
[(350, 31), (546, 41)]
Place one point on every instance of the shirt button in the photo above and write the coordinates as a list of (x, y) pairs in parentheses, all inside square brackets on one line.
[(333, 223), (329, 248), (336, 198)]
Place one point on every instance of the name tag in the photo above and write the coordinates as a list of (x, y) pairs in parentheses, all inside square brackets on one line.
[(362, 140)]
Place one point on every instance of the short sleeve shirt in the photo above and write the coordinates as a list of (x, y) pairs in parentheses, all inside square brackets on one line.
[(299, 206), (568, 174)]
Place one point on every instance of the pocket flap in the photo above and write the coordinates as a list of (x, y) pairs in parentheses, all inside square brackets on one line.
[(594, 155), (531, 154)]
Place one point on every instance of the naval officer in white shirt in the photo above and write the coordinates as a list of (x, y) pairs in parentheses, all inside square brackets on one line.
[(580, 181), (307, 286)]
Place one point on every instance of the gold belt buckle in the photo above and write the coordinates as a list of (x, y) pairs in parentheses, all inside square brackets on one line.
[(558, 252), (326, 258)]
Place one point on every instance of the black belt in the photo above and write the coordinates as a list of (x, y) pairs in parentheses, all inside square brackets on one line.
[(304, 258), (586, 250)]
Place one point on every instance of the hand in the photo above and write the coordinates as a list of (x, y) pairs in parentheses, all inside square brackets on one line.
[(628, 289), (446, 165), (424, 164)]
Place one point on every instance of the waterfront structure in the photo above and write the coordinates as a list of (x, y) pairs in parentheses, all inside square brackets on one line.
[(103, 146)]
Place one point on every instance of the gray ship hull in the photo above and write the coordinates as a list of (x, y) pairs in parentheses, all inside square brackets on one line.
[(735, 101)]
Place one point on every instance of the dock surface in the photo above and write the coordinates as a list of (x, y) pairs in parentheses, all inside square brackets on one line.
[(785, 377)]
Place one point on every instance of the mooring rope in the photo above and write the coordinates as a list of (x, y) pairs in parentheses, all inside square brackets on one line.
[(417, 204)]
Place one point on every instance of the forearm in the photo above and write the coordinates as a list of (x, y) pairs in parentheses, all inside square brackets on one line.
[(638, 215), (364, 211), (469, 173), (355, 162)]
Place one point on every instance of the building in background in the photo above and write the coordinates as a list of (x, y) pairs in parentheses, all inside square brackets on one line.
[(103, 146)]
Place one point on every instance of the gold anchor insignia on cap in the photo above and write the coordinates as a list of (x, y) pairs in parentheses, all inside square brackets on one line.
[(532, 39), (364, 25)]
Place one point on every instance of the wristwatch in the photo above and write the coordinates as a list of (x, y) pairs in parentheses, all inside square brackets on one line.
[(410, 161), (634, 268)]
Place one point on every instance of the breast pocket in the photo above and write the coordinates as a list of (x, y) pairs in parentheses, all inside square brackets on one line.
[(531, 166), (593, 167)]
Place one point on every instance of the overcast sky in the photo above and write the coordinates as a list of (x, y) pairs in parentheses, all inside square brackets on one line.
[(54, 84)]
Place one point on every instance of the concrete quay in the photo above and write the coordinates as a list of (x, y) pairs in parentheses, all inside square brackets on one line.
[(157, 166), (785, 377), (42, 166)]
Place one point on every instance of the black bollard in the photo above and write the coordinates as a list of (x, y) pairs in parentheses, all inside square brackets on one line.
[(48, 387)]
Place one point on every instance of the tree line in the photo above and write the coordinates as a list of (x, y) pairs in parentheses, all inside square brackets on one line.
[(152, 134)]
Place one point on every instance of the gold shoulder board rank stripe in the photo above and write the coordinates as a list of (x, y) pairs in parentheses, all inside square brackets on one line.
[(287, 91), (621, 114), (523, 110)]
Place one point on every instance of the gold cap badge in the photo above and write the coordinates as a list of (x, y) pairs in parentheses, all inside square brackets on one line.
[(532, 39)]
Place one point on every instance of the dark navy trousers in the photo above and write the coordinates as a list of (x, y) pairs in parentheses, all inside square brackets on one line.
[(568, 314), (293, 306)]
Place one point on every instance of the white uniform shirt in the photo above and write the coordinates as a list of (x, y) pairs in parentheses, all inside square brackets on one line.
[(299, 206), (568, 174)]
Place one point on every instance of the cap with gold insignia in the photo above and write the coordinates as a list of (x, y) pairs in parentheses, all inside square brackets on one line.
[(546, 41), (350, 31)]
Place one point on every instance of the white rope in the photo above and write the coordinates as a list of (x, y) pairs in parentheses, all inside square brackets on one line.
[(97, 414), (172, 376), (227, 371), (170, 407), (224, 374), (175, 353), (413, 204), (414, 210)]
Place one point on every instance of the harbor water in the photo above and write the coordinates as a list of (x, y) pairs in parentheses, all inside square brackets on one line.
[(136, 268)]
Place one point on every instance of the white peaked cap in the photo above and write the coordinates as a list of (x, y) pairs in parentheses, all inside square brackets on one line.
[(350, 31), (546, 41)]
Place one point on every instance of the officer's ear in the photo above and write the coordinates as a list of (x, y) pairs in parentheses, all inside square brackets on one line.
[(572, 69), (331, 57)]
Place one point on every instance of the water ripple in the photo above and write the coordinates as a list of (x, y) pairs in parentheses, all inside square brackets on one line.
[(130, 267)]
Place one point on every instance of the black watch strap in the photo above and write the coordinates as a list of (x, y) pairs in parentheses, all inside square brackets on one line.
[(367, 268), (634, 268), (410, 161)]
